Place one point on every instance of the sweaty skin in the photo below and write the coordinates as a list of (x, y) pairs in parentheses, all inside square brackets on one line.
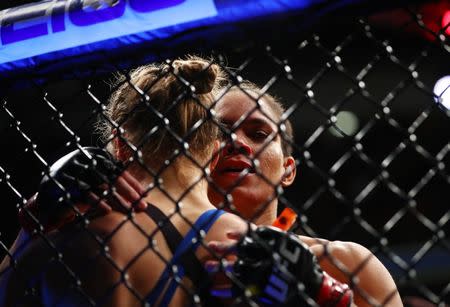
[(257, 136)]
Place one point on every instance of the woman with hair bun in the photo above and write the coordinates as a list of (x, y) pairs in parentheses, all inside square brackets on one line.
[(158, 125)]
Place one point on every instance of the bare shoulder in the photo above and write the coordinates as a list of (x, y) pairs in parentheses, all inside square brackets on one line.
[(106, 224), (226, 223), (354, 264)]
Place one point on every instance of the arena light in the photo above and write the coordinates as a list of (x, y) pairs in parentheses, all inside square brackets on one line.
[(345, 121), (442, 91)]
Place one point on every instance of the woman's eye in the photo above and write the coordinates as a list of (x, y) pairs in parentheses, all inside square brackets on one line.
[(261, 134)]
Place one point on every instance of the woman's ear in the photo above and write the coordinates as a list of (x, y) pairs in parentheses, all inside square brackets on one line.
[(121, 151), (290, 171)]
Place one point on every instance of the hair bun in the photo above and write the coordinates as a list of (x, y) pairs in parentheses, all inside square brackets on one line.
[(199, 73)]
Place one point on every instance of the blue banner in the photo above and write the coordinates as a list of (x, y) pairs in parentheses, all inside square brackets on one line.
[(56, 29)]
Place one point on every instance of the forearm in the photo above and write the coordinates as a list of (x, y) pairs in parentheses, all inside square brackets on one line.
[(372, 283)]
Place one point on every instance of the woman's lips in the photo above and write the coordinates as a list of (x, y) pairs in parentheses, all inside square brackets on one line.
[(235, 167)]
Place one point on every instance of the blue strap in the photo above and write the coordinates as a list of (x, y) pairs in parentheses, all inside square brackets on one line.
[(190, 241)]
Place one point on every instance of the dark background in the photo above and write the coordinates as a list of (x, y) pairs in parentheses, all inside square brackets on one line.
[(409, 224)]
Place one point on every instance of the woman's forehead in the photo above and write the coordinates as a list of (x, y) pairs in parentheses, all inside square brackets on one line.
[(232, 106)]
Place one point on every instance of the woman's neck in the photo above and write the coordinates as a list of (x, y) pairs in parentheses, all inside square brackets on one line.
[(266, 216), (179, 185)]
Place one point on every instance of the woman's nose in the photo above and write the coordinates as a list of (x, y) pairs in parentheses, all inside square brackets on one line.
[(237, 147)]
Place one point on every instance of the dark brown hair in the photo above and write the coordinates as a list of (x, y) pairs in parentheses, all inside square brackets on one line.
[(164, 107)]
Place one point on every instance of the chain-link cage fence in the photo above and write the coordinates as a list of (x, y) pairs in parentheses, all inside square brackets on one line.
[(370, 143)]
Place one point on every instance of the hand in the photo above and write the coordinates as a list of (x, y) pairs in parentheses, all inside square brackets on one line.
[(221, 270), (275, 268), (127, 194), (78, 183)]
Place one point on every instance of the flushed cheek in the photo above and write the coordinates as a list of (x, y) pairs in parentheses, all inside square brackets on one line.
[(271, 165)]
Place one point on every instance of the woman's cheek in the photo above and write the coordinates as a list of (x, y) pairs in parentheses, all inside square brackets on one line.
[(271, 164)]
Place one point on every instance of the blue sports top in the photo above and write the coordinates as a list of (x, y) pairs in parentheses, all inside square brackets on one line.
[(168, 282)]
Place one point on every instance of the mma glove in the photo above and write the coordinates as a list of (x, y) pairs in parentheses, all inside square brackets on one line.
[(274, 268), (63, 192)]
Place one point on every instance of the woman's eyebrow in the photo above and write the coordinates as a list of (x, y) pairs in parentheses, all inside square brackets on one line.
[(258, 121)]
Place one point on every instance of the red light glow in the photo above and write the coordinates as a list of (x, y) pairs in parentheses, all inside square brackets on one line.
[(446, 22)]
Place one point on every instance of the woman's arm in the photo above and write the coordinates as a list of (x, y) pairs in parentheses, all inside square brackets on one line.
[(372, 282), (82, 255), (19, 244)]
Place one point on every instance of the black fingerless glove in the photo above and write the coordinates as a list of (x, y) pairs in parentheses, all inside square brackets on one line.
[(275, 268), (62, 194)]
